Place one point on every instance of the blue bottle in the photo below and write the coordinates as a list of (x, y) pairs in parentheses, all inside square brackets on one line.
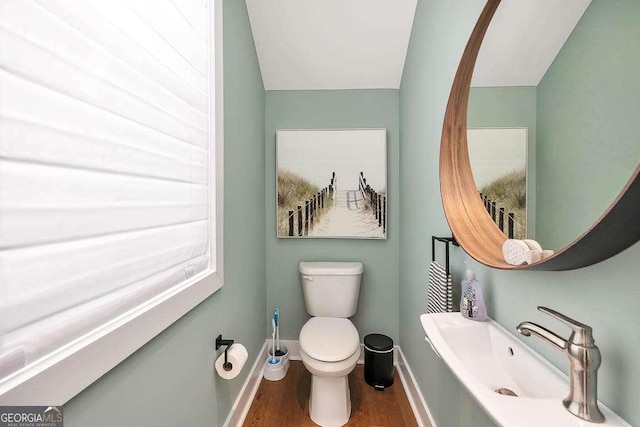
[(472, 303)]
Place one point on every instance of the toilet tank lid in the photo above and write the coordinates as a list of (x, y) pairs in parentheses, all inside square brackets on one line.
[(331, 268)]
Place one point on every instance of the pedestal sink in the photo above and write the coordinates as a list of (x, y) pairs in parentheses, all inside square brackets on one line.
[(510, 382)]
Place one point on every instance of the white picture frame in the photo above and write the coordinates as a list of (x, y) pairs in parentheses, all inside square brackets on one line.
[(331, 183)]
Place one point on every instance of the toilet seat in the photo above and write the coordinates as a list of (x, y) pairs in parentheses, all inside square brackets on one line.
[(329, 369), (329, 339)]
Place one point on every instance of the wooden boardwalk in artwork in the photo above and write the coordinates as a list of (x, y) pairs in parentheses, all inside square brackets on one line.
[(349, 216)]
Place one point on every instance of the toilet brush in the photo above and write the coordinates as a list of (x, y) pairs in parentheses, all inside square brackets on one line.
[(276, 317), (276, 365), (273, 360)]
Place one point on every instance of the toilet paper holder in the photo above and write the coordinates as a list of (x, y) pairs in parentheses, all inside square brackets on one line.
[(227, 366)]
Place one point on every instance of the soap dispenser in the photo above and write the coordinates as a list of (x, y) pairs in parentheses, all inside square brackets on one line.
[(472, 303)]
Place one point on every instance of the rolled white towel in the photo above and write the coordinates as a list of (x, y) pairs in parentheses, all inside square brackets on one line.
[(515, 252), (533, 245), (547, 253), (537, 256), (534, 256), (520, 252)]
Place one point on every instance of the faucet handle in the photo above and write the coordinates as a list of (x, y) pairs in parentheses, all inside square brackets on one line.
[(581, 334)]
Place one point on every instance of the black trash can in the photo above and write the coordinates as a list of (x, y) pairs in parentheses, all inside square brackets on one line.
[(378, 361)]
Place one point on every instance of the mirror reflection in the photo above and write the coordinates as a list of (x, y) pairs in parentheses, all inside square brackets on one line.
[(567, 73), (498, 158)]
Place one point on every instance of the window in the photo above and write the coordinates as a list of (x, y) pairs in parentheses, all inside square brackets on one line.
[(109, 183)]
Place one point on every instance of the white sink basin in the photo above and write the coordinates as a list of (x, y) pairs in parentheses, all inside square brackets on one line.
[(485, 358)]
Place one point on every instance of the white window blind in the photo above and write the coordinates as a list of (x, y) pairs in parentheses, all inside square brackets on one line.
[(105, 163)]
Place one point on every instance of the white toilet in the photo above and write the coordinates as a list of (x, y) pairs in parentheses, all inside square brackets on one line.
[(329, 343)]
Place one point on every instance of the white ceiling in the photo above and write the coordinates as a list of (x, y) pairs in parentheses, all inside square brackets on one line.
[(523, 39), (331, 44), (362, 44)]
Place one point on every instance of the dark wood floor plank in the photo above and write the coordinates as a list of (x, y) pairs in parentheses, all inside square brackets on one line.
[(286, 402)]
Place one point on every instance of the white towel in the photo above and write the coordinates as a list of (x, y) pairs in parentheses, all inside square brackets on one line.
[(520, 252), (440, 293)]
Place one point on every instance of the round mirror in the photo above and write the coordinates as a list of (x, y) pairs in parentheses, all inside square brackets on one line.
[(541, 133)]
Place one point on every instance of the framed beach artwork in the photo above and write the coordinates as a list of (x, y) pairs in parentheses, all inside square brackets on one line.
[(331, 183), (498, 158)]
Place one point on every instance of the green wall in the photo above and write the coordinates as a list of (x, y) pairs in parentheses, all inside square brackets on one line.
[(509, 107), (440, 31), (604, 296), (378, 305), (171, 381), (588, 109)]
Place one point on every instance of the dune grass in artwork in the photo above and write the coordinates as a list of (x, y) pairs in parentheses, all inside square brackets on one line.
[(293, 191), (510, 191)]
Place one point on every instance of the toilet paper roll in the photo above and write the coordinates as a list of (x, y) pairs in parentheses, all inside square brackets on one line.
[(237, 355)]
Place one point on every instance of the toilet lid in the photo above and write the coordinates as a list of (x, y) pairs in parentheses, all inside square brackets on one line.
[(329, 339)]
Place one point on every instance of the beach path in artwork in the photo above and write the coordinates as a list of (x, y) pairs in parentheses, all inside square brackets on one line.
[(348, 218)]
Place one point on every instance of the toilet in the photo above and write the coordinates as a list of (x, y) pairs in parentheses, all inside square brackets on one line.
[(329, 343)]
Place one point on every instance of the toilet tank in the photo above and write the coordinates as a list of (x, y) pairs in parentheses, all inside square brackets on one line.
[(331, 289)]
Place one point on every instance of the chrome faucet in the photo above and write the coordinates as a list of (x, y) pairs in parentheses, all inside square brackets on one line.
[(584, 360)]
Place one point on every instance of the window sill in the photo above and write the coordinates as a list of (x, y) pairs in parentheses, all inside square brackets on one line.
[(59, 376)]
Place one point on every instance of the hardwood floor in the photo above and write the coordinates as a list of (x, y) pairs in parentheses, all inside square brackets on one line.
[(286, 402)]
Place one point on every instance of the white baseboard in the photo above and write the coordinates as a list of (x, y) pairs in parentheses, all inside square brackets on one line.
[(241, 406), (416, 399), (243, 402)]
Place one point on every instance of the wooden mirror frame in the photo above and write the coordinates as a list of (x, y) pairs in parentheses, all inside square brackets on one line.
[(617, 229)]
